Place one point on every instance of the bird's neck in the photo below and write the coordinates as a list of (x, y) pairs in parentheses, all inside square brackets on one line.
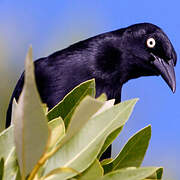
[(108, 65), (106, 58)]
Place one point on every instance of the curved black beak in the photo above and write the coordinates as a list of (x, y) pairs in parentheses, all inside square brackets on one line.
[(166, 69)]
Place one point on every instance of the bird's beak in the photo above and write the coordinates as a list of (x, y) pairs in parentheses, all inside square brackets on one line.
[(166, 70)]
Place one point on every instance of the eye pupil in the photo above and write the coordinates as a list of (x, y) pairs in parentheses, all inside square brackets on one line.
[(151, 42)]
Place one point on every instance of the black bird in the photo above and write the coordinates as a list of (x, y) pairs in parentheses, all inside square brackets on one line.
[(111, 58)]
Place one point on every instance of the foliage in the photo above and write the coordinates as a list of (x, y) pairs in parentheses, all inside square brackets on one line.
[(67, 141)]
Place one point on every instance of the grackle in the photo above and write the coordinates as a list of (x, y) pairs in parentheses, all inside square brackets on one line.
[(111, 58)]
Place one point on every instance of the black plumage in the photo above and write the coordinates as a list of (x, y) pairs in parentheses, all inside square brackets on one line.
[(111, 58)]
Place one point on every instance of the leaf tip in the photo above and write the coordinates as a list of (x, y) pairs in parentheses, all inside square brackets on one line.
[(29, 55), (136, 99), (148, 128), (14, 101)]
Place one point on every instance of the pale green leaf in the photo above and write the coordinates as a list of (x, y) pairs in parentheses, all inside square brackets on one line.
[(106, 161), (84, 111), (30, 123), (1, 168), (60, 176), (82, 149), (57, 129), (2, 125), (110, 140), (133, 152), (157, 175), (95, 171), (11, 167), (106, 105), (130, 173), (45, 108), (102, 97), (66, 107), (60, 173), (7, 151), (14, 106), (6, 142)]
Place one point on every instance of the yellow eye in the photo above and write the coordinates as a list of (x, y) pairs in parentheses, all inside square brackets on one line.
[(151, 42)]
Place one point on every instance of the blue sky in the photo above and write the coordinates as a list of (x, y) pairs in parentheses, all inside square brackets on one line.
[(53, 25)]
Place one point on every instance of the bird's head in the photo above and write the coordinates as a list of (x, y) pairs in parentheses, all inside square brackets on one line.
[(148, 51)]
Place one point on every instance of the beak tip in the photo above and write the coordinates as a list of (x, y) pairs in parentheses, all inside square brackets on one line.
[(174, 89), (172, 85), (167, 72)]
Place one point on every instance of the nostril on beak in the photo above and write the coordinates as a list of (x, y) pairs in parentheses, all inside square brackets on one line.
[(152, 58), (171, 62)]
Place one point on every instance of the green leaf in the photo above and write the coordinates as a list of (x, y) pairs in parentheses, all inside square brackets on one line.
[(6, 142), (110, 140), (57, 132), (106, 161), (95, 171), (1, 168), (30, 123), (84, 111), (157, 175), (11, 168), (14, 106), (7, 150), (66, 107), (106, 106), (60, 173), (102, 97), (130, 173), (82, 149), (45, 108), (133, 152)]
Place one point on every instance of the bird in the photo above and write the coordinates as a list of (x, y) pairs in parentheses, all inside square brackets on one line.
[(111, 58)]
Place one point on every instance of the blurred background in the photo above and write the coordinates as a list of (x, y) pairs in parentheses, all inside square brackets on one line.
[(53, 25)]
